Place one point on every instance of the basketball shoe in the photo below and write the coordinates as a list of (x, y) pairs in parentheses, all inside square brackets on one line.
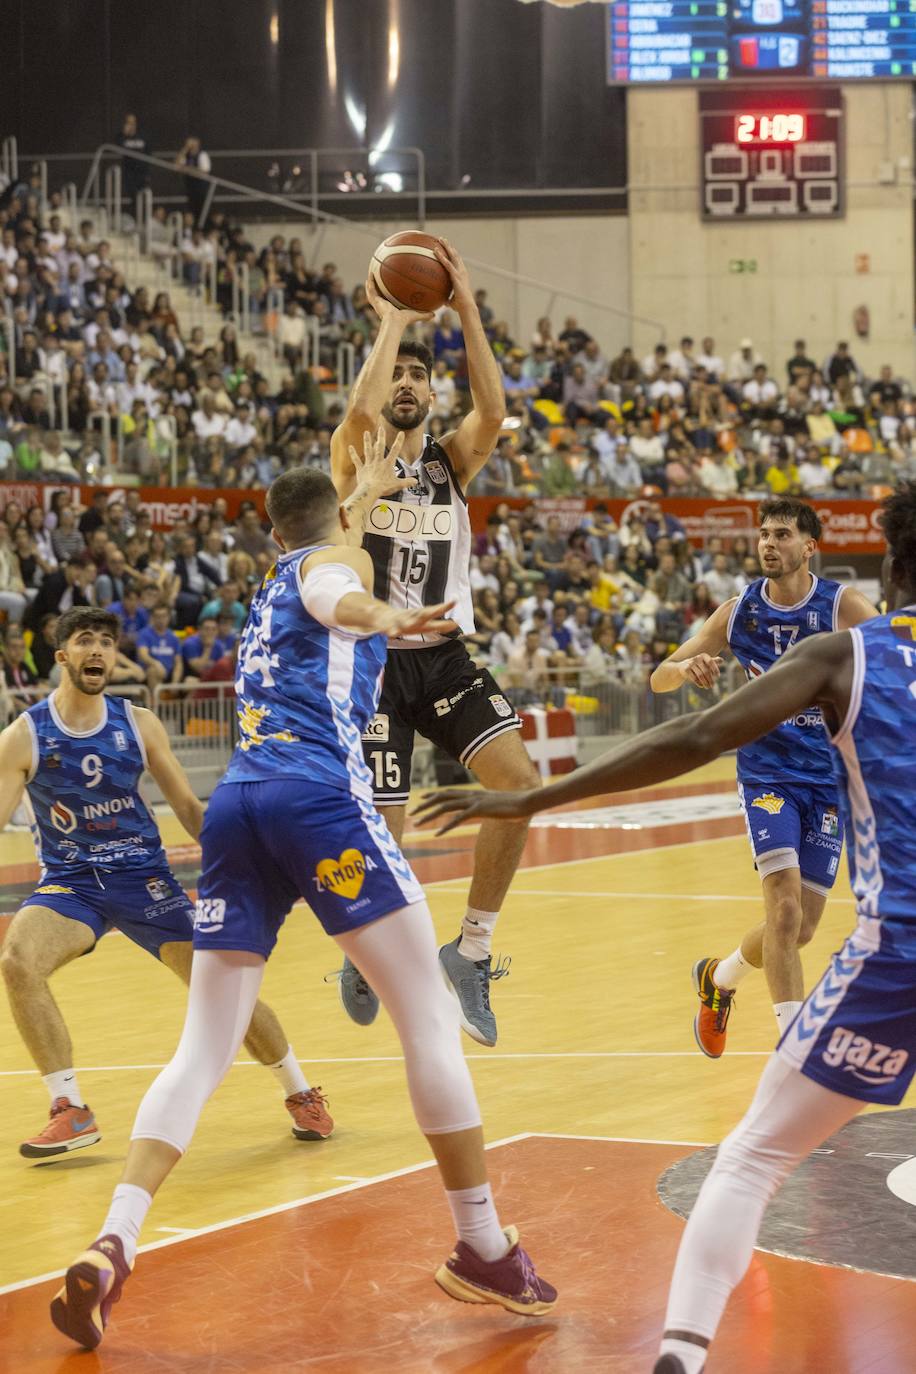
[(70, 1128), (92, 1284), (311, 1119), (469, 982), (711, 1021), (510, 1282), (356, 997)]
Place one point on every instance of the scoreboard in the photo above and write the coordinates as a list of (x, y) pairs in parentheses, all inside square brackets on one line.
[(771, 155), (652, 41)]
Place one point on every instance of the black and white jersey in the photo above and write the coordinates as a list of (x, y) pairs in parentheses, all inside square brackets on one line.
[(419, 540)]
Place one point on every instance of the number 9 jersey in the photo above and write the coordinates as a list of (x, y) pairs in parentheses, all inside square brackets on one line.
[(86, 811)]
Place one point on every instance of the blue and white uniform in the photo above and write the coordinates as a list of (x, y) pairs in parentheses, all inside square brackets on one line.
[(98, 846), (293, 815), (856, 1033), (785, 779)]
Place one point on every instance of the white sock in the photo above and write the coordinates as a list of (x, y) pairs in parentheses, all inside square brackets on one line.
[(289, 1075), (126, 1215), (477, 933), (692, 1357), (785, 1014), (476, 1222), (729, 972), (63, 1084)]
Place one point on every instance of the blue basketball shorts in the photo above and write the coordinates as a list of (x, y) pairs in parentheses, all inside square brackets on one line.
[(267, 844), (856, 1033), (149, 906), (794, 826)]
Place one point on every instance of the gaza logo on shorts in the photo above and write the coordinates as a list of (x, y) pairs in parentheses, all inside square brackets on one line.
[(62, 818), (830, 822), (500, 705), (344, 877), (770, 802), (377, 730), (870, 1062), (209, 915)]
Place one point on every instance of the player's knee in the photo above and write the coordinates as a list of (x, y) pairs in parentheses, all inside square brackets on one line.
[(806, 931), (14, 967), (784, 919)]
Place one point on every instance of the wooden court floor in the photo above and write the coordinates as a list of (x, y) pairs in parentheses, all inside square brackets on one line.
[(264, 1253)]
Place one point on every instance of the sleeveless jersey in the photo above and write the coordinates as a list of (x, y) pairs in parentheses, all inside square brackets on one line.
[(875, 758), (305, 693), (419, 540), (86, 811), (759, 632)]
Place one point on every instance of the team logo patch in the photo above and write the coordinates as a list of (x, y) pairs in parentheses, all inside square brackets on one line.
[(54, 888), (436, 472), (62, 818), (158, 889), (866, 1060), (769, 802), (830, 822), (344, 877), (209, 915), (378, 729), (120, 740), (52, 760), (904, 626), (813, 621), (500, 705)]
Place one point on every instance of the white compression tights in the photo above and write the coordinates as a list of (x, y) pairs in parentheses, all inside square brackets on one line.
[(789, 1117), (397, 955)]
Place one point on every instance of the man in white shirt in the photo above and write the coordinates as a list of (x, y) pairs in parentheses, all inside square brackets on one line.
[(813, 475), (443, 389), (716, 476), (208, 422), (761, 392), (240, 431), (682, 360), (608, 440), (721, 583), (655, 361), (646, 447), (666, 384), (710, 359), (742, 362)]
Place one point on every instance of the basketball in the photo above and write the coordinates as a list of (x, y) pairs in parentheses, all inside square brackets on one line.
[(408, 273)]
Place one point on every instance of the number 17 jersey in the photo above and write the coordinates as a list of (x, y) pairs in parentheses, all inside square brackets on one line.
[(760, 632)]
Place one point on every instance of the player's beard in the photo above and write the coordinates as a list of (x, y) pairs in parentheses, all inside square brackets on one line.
[(775, 572), (406, 419), (91, 686)]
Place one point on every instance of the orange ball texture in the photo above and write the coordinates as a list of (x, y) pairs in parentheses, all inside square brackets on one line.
[(408, 273)]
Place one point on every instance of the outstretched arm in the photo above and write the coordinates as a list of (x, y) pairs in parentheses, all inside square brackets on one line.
[(473, 441), (698, 659), (818, 671)]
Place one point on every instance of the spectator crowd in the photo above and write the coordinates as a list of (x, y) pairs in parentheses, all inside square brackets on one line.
[(570, 607)]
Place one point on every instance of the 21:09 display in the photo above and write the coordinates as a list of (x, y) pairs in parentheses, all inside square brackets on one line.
[(770, 128)]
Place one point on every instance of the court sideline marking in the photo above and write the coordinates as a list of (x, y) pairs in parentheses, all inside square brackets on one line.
[(347, 1188)]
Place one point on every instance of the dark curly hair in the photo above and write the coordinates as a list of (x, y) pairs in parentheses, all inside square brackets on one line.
[(788, 508), (898, 520), (80, 618)]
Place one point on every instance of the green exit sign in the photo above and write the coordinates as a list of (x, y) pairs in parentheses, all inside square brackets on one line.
[(742, 265)]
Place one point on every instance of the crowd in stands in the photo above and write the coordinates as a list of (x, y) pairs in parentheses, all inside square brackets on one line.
[(575, 608), (681, 421)]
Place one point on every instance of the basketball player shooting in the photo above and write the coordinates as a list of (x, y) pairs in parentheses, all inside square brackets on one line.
[(419, 540)]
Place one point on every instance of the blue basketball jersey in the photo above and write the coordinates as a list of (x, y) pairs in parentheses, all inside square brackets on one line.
[(305, 692), (86, 809), (875, 757), (759, 632)]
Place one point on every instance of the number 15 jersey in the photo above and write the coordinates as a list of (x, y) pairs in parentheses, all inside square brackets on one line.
[(760, 632), (86, 811)]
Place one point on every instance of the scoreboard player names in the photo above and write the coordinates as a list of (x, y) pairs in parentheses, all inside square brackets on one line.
[(714, 40)]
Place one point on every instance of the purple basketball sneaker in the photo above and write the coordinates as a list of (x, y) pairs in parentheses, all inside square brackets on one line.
[(510, 1282)]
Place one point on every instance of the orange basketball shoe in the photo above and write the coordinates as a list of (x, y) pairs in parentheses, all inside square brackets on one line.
[(711, 1021), (92, 1285), (70, 1128), (312, 1120)]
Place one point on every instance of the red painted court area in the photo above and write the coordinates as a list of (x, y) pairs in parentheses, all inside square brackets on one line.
[(344, 1284)]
